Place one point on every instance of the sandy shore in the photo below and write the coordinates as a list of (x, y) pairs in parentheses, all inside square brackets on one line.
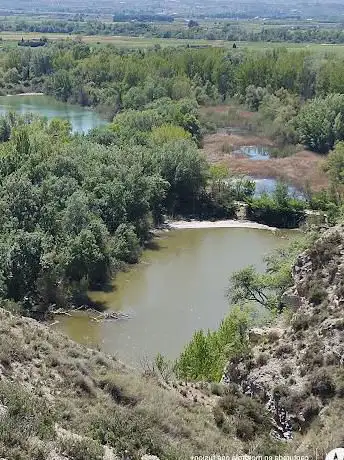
[(185, 224), (26, 94)]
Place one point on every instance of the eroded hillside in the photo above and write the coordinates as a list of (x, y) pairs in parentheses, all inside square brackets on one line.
[(59, 401), (296, 367), (62, 401)]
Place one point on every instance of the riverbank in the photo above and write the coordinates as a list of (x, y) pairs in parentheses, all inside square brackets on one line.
[(230, 223), (26, 94)]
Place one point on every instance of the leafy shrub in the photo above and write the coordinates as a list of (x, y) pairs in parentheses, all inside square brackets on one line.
[(322, 384), (80, 448), (245, 429), (117, 392), (320, 122), (205, 356)]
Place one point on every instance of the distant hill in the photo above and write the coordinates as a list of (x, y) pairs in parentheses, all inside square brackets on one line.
[(326, 9)]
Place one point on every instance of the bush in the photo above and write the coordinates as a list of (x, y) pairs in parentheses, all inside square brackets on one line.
[(264, 210), (205, 356), (286, 370), (300, 322), (317, 294), (245, 429), (262, 359), (117, 392), (322, 384), (284, 349), (128, 433), (313, 357), (80, 448), (217, 389), (320, 122), (218, 416), (340, 384), (310, 410), (27, 417), (85, 384)]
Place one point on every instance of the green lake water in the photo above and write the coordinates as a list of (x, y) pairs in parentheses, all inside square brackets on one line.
[(178, 287), (81, 119)]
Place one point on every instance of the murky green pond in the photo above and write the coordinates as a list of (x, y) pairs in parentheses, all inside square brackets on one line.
[(81, 119), (177, 288)]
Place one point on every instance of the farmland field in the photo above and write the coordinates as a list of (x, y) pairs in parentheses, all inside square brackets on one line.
[(144, 42)]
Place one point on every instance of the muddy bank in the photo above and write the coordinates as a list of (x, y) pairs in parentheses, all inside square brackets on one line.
[(303, 169), (219, 146), (231, 223)]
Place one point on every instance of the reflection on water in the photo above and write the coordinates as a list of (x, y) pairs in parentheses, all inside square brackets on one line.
[(254, 152), (81, 119), (173, 292), (269, 186)]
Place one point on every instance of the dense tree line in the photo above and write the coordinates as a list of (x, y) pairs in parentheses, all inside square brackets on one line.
[(75, 208), (80, 27), (296, 93), (155, 26)]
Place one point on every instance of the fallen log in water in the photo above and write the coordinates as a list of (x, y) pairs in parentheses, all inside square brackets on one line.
[(101, 316), (112, 315)]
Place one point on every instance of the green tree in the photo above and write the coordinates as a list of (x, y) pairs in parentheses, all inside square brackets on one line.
[(185, 169), (125, 244), (205, 356), (266, 289), (5, 130), (320, 122), (335, 169), (168, 132)]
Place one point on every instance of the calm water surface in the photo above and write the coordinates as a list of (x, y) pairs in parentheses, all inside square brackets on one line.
[(254, 152), (176, 289), (268, 185), (81, 119)]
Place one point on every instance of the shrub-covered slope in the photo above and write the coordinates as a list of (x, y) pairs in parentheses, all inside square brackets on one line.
[(59, 401), (295, 369)]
